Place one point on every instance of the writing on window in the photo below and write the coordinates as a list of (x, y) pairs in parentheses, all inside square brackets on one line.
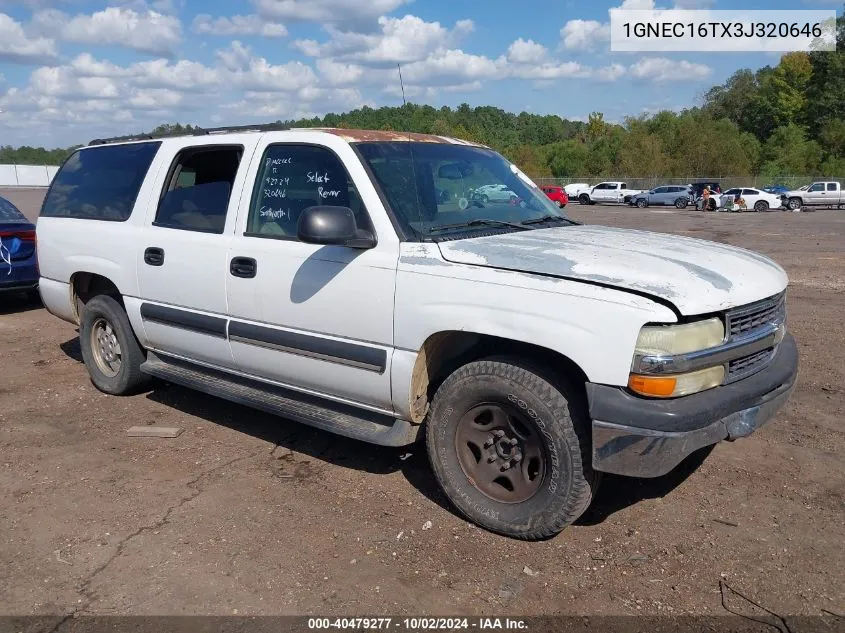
[(293, 178)]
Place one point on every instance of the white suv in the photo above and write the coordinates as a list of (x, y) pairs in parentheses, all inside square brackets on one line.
[(317, 274)]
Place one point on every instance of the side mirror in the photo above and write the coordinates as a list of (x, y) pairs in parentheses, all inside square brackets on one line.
[(651, 193), (335, 226)]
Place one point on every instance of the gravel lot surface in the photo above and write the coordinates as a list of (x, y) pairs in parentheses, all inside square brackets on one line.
[(250, 514)]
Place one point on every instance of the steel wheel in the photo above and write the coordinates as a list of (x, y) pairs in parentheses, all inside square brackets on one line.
[(501, 452), (105, 347)]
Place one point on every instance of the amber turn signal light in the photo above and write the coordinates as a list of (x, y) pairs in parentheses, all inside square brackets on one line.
[(655, 386)]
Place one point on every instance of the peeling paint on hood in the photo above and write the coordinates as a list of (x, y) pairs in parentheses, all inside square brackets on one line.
[(696, 276)]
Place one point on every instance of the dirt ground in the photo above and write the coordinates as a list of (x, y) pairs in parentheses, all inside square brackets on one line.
[(245, 513)]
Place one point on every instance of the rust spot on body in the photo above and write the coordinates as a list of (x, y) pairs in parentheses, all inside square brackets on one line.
[(389, 136)]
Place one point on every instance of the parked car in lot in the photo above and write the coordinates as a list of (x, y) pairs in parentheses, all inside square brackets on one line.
[(314, 274), (776, 189), (819, 194), (675, 195), (556, 194), (755, 199), (494, 193), (18, 262), (607, 192), (575, 189)]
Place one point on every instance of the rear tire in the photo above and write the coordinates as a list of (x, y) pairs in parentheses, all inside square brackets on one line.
[(681, 203), (761, 206), (496, 423), (110, 350)]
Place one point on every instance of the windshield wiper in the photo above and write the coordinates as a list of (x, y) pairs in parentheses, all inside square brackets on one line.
[(477, 222), (547, 218)]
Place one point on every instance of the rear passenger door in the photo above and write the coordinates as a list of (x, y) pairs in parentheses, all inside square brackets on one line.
[(182, 259)]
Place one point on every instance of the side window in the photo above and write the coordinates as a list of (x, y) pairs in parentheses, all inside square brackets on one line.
[(624, 185), (749, 192), (100, 183), (817, 187), (831, 186), (292, 178), (661, 190), (602, 187), (733, 192), (196, 194)]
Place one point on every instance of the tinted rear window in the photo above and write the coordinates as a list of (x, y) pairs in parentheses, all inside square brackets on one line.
[(100, 183), (9, 212)]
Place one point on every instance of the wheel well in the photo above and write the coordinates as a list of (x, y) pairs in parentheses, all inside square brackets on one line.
[(444, 352), (86, 286)]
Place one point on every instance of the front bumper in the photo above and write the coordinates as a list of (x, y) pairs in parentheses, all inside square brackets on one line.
[(640, 437)]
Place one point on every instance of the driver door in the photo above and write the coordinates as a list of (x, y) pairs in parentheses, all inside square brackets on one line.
[(815, 194)]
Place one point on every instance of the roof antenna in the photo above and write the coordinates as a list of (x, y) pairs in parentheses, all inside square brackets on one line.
[(404, 103)]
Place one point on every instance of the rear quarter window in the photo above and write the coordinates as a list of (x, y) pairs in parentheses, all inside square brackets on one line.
[(100, 183)]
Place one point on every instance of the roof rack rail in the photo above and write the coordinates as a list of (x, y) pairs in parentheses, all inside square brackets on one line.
[(120, 139), (197, 131), (260, 127)]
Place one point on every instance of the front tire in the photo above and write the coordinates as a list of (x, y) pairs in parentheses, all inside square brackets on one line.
[(510, 448), (584, 199), (110, 350), (642, 203), (794, 204)]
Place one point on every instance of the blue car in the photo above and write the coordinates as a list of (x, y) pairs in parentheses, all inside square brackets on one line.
[(18, 264), (776, 189)]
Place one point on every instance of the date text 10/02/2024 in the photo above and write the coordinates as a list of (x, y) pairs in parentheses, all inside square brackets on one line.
[(419, 624)]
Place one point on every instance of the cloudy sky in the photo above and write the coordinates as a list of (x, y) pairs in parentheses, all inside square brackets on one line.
[(71, 70)]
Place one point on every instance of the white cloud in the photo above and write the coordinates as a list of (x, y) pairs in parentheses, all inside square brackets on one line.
[(584, 34), (339, 73), (63, 82), (237, 25), (155, 99), (660, 69), (148, 32), (17, 47), (400, 40), (349, 13), (526, 52), (257, 74), (451, 66), (610, 73), (558, 70)]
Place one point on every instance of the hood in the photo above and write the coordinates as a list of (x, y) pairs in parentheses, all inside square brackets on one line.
[(696, 276)]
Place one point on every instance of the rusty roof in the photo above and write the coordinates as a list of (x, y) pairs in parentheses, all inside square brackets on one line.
[(389, 136)]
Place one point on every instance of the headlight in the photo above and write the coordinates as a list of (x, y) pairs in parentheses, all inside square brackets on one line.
[(668, 340), (671, 340)]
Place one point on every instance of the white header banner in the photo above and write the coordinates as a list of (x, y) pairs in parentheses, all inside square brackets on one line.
[(688, 30)]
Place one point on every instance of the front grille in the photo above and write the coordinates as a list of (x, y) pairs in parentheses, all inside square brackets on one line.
[(746, 320), (744, 367), (749, 318)]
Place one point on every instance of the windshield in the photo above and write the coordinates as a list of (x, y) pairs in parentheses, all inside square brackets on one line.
[(446, 185)]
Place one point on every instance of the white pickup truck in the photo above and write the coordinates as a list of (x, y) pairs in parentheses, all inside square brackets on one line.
[(608, 192), (316, 274), (819, 194)]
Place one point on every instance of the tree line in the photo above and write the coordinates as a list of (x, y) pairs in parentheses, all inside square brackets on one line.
[(781, 120)]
